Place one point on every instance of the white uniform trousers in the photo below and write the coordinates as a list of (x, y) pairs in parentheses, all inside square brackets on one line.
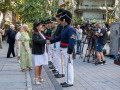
[(49, 52), (68, 66), (60, 61), (54, 57)]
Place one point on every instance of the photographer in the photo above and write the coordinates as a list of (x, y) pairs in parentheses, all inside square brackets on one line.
[(102, 38)]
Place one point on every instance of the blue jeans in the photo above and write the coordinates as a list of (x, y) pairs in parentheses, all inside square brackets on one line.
[(79, 46)]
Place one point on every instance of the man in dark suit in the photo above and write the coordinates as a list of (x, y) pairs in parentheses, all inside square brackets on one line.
[(11, 41)]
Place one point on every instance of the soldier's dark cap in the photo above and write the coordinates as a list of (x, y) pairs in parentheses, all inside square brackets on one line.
[(67, 16), (53, 19), (49, 21), (42, 21), (59, 12), (45, 22)]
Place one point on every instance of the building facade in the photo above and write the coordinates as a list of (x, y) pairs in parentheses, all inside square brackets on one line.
[(93, 9)]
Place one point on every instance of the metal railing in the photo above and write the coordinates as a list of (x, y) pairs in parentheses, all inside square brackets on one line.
[(94, 7)]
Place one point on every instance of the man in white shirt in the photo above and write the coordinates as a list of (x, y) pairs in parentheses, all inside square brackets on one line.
[(79, 39)]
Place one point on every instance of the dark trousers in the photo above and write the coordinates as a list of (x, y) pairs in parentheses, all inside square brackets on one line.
[(79, 46), (11, 50)]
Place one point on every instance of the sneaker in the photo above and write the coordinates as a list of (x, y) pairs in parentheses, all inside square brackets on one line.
[(104, 62), (101, 63)]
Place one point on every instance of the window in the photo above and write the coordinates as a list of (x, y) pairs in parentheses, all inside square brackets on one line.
[(104, 16)]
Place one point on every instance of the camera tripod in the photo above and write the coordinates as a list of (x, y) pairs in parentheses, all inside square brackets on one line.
[(92, 48)]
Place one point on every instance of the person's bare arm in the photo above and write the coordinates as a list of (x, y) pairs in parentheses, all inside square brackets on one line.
[(17, 44), (80, 32), (24, 46)]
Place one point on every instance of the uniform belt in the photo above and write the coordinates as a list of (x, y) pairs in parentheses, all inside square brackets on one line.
[(64, 44), (48, 37)]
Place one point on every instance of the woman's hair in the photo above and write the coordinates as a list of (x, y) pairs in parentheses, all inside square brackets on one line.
[(19, 28), (35, 29), (24, 25)]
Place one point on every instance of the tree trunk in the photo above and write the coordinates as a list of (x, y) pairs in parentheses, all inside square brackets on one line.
[(3, 25), (13, 18), (106, 10), (106, 15)]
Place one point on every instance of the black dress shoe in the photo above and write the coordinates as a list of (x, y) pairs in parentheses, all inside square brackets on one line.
[(67, 85), (51, 67), (56, 74), (63, 75), (63, 83), (55, 71), (59, 76), (50, 63)]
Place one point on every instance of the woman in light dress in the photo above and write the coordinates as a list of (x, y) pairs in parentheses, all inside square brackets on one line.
[(25, 51), (39, 51), (17, 37)]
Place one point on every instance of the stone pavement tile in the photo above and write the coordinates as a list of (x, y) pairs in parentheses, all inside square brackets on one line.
[(36, 87), (11, 62), (48, 89), (15, 89), (11, 68), (12, 78), (12, 73), (70, 88), (2, 61), (11, 85), (1, 68), (78, 85)]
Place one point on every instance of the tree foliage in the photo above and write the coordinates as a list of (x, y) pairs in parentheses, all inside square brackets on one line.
[(8, 5), (32, 10)]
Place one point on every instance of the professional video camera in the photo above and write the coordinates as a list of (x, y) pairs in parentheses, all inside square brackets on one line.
[(94, 29)]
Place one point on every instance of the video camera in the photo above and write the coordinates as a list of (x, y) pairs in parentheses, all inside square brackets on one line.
[(94, 29)]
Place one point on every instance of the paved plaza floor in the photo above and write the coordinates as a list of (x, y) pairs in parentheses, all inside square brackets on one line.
[(87, 76)]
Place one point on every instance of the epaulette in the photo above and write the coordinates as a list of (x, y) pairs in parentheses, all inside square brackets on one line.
[(45, 31)]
